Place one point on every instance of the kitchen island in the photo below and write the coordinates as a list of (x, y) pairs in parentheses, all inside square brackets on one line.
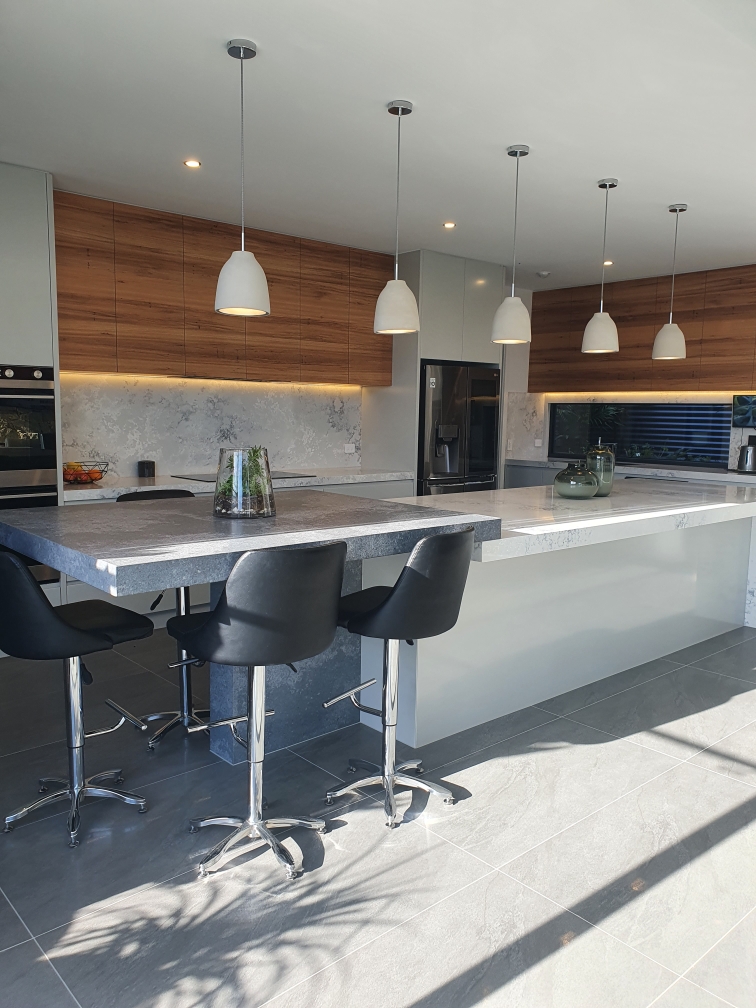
[(573, 592), (134, 547)]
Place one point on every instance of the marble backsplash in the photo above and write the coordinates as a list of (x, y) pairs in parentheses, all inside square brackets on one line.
[(526, 417), (181, 423)]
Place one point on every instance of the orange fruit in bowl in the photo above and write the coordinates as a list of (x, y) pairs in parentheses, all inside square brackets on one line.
[(95, 474)]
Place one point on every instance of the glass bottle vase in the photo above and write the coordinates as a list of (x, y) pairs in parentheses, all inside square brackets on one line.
[(243, 488), (576, 482), (600, 460)]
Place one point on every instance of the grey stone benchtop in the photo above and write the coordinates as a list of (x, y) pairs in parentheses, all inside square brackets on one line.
[(111, 487), (144, 545)]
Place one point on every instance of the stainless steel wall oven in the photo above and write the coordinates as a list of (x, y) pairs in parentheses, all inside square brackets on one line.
[(28, 458)]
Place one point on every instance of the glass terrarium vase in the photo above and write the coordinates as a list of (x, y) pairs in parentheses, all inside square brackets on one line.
[(600, 461), (576, 482), (243, 488)]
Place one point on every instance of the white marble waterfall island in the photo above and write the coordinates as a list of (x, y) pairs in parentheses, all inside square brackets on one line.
[(572, 592)]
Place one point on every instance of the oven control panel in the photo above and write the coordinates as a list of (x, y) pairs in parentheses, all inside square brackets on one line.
[(22, 372)]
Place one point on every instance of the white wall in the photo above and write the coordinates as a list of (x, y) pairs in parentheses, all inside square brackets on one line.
[(181, 422)]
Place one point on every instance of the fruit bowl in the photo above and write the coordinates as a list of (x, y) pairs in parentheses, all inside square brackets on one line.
[(84, 472)]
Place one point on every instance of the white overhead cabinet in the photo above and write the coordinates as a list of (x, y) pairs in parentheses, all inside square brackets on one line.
[(458, 299), (27, 267)]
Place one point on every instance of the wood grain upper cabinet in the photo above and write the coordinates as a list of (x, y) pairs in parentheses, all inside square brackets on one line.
[(324, 312), (85, 265), (729, 329), (273, 342), (214, 344), (149, 291), (369, 354)]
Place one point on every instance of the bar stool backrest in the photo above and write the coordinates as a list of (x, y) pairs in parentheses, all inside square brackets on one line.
[(29, 625), (278, 606), (153, 495), (426, 598)]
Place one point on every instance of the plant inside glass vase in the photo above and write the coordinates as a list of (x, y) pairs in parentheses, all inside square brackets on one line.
[(243, 488)]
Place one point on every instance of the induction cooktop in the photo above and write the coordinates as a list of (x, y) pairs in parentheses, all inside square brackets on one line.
[(210, 477)]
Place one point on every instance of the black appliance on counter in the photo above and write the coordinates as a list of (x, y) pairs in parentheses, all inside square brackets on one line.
[(459, 427), (28, 458)]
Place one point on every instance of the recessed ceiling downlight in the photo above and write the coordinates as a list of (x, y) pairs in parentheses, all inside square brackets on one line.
[(193, 163), (449, 224)]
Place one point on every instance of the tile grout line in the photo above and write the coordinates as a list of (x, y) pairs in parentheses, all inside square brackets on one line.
[(375, 938), (41, 950), (704, 954), (675, 982), (109, 903), (610, 695), (596, 927)]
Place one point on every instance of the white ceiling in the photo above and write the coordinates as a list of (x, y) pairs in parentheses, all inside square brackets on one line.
[(112, 96)]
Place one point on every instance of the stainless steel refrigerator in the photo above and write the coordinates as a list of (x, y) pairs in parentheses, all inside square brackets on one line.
[(459, 427)]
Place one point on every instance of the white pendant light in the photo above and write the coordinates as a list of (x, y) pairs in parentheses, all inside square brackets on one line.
[(511, 322), (242, 287), (396, 307), (670, 340), (600, 334)]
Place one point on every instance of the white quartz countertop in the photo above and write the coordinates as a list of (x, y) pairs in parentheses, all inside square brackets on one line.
[(538, 520), (110, 487), (653, 472)]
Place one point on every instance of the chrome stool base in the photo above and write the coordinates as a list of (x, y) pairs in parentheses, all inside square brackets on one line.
[(389, 775), (254, 828), (177, 720), (91, 789), (254, 832)]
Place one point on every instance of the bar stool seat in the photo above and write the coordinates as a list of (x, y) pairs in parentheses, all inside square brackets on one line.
[(424, 602), (31, 628), (278, 606)]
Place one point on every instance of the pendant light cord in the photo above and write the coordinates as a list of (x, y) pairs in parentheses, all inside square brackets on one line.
[(514, 236), (674, 261), (398, 163), (241, 66), (603, 254)]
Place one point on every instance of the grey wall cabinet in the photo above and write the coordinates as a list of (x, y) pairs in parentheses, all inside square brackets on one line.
[(27, 267)]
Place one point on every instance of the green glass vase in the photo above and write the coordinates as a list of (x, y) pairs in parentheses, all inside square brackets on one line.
[(243, 488), (576, 482), (600, 461)]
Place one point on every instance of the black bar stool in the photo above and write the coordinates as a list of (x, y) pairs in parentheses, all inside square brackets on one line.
[(187, 715), (279, 606), (30, 627), (424, 602)]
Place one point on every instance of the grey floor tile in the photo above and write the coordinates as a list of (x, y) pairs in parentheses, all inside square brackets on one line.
[(729, 969), (565, 703), (520, 792), (244, 934), (31, 698), (496, 944), (666, 868), (29, 981), (12, 931), (333, 751), (684, 994), (734, 756), (678, 714), (739, 661), (125, 749), (693, 653), (121, 850), (472, 740)]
